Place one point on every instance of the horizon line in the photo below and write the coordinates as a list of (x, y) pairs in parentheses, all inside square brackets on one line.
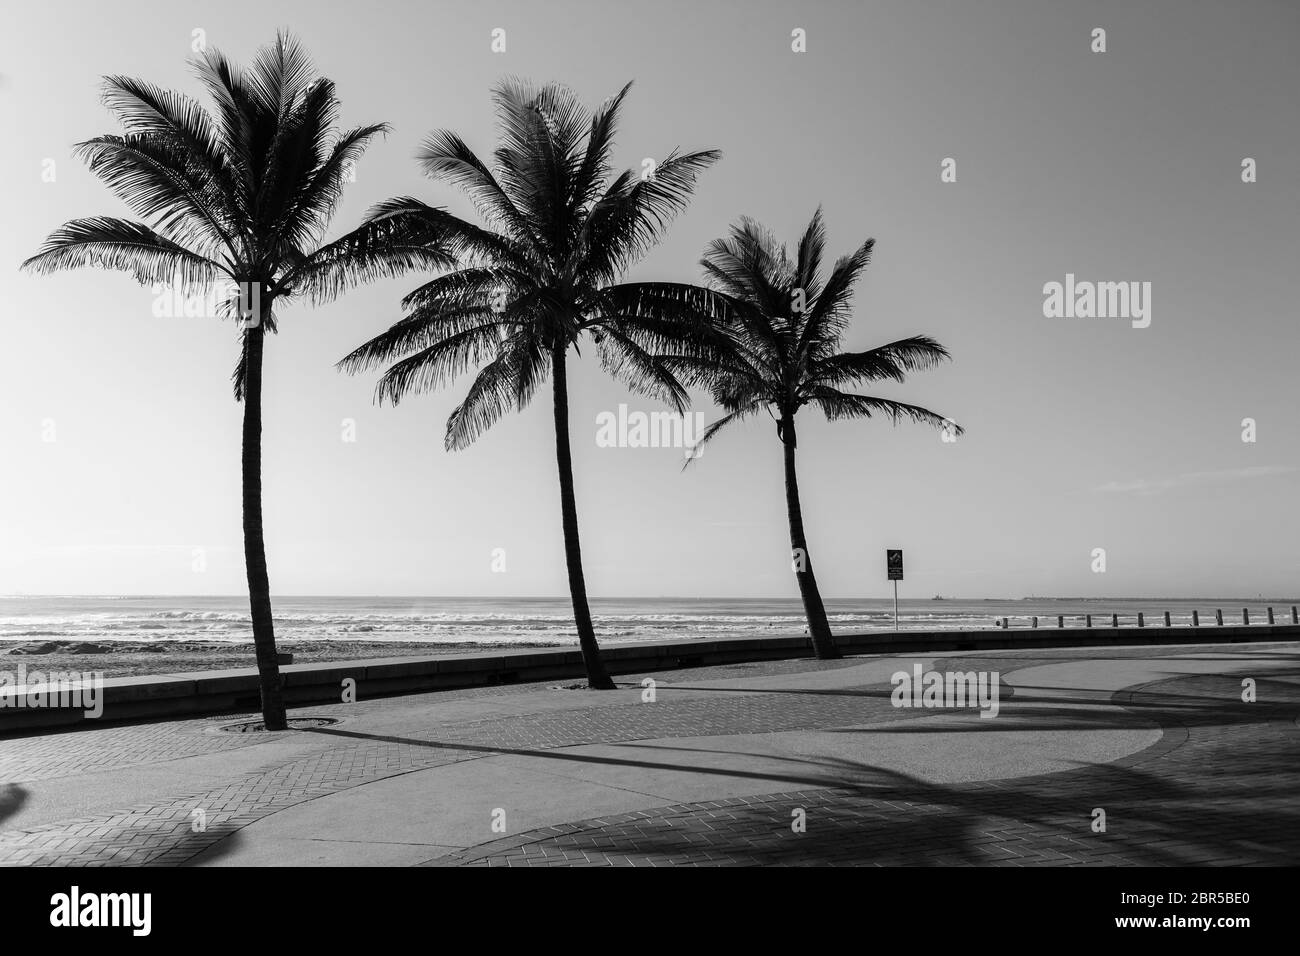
[(663, 597)]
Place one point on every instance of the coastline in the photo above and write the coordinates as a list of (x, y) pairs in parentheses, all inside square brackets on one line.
[(149, 658)]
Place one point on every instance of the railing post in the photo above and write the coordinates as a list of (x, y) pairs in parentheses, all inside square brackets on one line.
[(1270, 617), (1218, 616), (1114, 620), (1140, 621), (1060, 620), (1196, 618), (1167, 619), (1245, 616), (1295, 615), (1088, 618)]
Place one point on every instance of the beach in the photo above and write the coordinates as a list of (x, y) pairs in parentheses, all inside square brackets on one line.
[(146, 658), (141, 636)]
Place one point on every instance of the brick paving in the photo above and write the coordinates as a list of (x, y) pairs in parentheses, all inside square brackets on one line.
[(162, 832), (45, 756), (54, 755), (1166, 804), (1218, 789)]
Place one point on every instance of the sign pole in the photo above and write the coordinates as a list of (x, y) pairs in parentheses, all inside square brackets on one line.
[(894, 568)]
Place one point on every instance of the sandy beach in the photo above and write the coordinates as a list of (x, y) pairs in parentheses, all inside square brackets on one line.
[(143, 658)]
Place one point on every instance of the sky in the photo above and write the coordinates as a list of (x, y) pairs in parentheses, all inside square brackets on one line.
[(120, 437)]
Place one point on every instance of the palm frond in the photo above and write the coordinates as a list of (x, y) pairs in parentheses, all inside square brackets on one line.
[(596, 166), (837, 405), (414, 222), (711, 430), (809, 258), (631, 217), (508, 381), (640, 371), (175, 118), (444, 156), (893, 361), (235, 111), (477, 286), (318, 196), (281, 71), (539, 154), (297, 148), (830, 313), (731, 375), (153, 177), (422, 329), (433, 366), (124, 246)]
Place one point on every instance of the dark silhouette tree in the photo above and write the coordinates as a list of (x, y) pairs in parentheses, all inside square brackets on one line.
[(237, 199), (543, 273), (784, 325)]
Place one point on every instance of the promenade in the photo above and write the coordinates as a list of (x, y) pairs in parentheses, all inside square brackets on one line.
[(776, 762)]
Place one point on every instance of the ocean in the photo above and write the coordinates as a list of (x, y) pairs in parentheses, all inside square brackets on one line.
[(547, 621)]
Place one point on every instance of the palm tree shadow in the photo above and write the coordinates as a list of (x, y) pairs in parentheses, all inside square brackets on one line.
[(1226, 798), (894, 819), (880, 815), (12, 799), (1072, 709), (226, 841)]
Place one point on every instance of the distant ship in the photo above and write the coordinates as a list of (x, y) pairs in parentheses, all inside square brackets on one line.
[(937, 598)]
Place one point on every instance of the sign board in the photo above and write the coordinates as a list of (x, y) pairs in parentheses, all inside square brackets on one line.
[(894, 564)]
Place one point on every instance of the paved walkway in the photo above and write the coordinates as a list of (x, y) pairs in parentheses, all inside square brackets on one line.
[(793, 762)]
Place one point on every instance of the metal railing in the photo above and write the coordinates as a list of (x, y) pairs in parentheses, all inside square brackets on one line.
[(1117, 620)]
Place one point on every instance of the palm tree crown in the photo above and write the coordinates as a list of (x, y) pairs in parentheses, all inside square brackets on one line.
[(786, 328), (241, 194), (544, 269)]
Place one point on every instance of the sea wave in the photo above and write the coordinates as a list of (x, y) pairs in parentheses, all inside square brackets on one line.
[(516, 621), (440, 627)]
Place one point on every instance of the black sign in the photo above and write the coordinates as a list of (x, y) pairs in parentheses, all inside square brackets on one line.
[(894, 562)]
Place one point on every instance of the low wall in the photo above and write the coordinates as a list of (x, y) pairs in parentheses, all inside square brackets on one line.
[(232, 691)]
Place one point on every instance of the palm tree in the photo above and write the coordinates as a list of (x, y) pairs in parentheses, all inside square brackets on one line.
[(543, 272), (237, 200), (785, 330)]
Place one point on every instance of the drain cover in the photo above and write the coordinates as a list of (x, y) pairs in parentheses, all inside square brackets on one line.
[(295, 723)]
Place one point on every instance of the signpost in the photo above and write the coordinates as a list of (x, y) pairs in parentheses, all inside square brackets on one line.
[(894, 565)]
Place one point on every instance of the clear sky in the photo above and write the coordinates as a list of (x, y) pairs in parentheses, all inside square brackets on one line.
[(1083, 433)]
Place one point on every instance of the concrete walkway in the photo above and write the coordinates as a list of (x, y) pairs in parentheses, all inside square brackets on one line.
[(779, 762)]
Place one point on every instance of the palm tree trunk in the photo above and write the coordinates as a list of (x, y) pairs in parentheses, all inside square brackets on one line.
[(597, 677), (819, 629), (259, 587)]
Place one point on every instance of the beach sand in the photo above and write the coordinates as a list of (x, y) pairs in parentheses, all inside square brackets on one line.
[(142, 658)]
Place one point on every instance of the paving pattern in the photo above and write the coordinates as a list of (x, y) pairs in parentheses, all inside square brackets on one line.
[(164, 831), (1218, 787), (49, 756)]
